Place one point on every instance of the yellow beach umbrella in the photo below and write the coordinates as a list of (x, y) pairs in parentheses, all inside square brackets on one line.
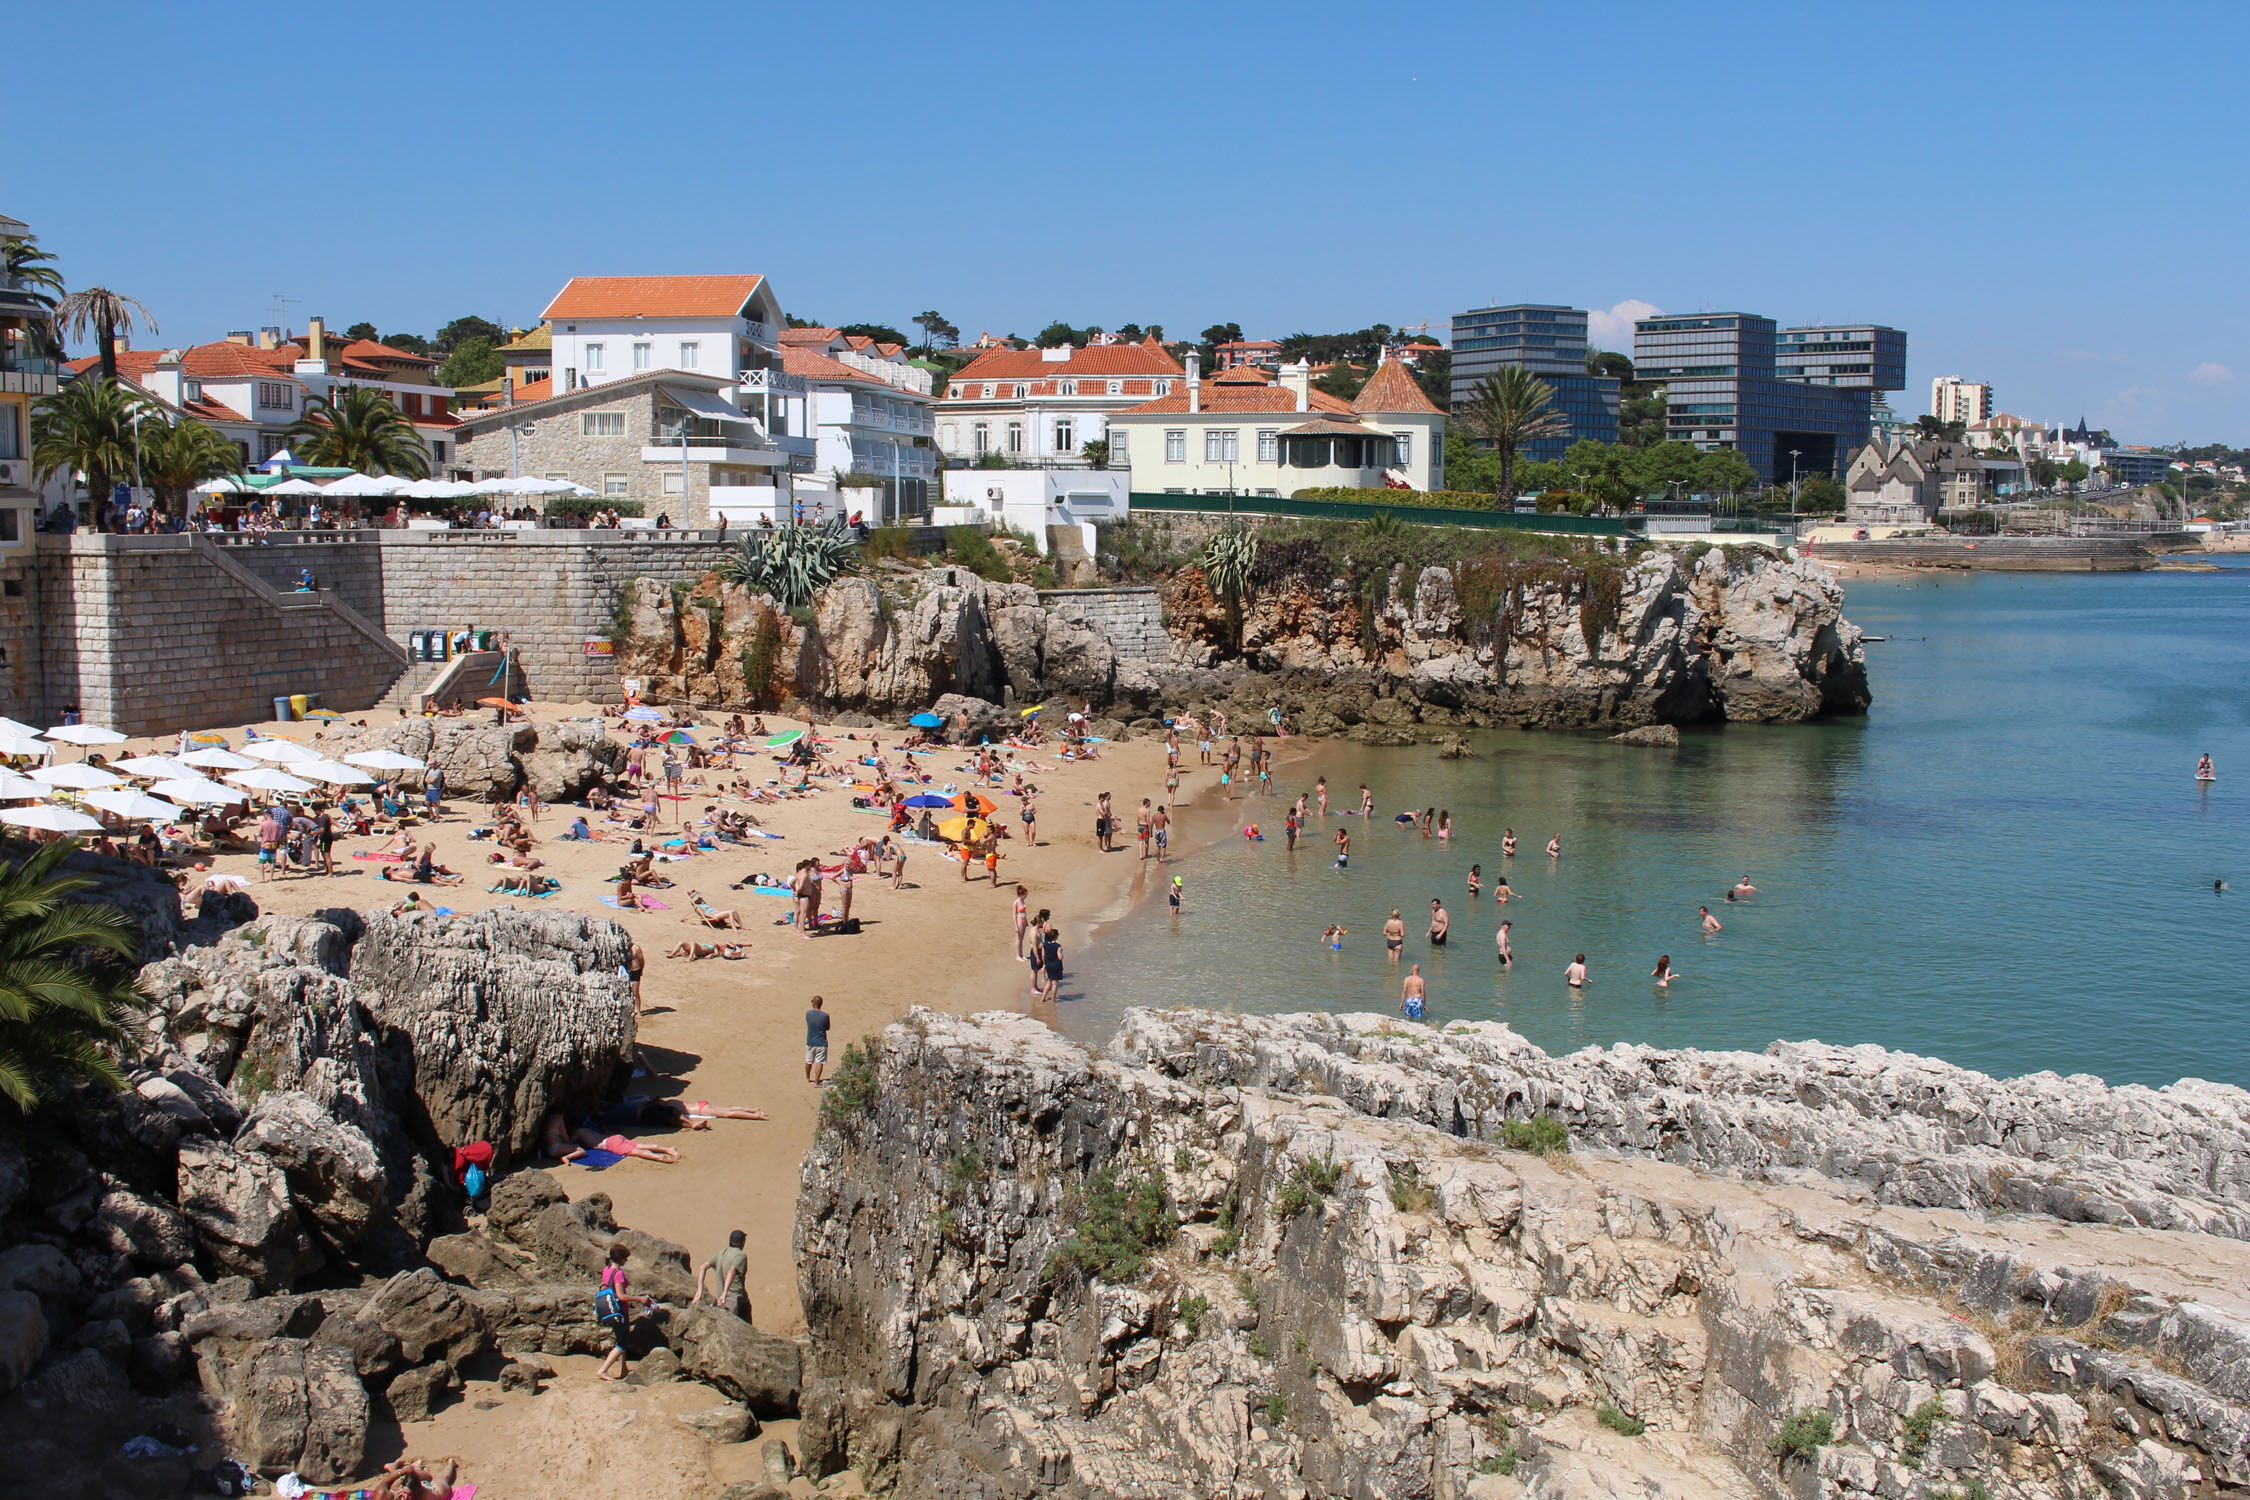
[(962, 830)]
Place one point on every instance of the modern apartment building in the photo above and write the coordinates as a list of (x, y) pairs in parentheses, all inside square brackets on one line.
[(1792, 402), (1550, 342), (1953, 399)]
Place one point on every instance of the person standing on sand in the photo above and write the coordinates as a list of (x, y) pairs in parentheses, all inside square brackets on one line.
[(1105, 825), (816, 1041), (1171, 787), (1440, 923), (1160, 825), (1142, 828), (636, 963), (433, 792), (1050, 956), (1030, 815), (1413, 994), (1035, 956), (1500, 941)]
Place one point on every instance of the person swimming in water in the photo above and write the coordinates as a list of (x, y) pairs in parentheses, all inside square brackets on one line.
[(1508, 844), (1500, 941), (1710, 923), (1554, 847), (1575, 974), (1664, 973), (1440, 923), (1742, 888), (1394, 936)]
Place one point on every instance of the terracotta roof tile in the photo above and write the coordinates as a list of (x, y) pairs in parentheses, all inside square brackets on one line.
[(653, 296), (1102, 360), (1244, 375), (1234, 397), (535, 390), (814, 365), (1391, 389), (814, 337)]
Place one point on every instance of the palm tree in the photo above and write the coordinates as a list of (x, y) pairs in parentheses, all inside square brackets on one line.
[(65, 980), (24, 262), (1507, 409), (101, 312), (86, 427), (359, 430), (178, 456)]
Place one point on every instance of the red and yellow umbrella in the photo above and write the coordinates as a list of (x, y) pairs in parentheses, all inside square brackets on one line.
[(977, 803)]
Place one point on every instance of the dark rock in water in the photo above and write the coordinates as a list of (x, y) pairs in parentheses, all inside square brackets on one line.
[(301, 1406), (1381, 735), (1664, 736), (1455, 748), (720, 1349)]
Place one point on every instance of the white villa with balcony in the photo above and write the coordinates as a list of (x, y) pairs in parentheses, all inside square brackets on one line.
[(1040, 407), (871, 424)]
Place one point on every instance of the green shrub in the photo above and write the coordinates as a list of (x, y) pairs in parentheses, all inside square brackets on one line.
[(1184, 1161), (1620, 1422), (1277, 1409), (968, 547), (1408, 1195), (1123, 1218), (1542, 1133), (1247, 1288), (1974, 1490), (1802, 1435), (854, 1086), (1502, 1463), (1914, 1435), (964, 1167), (1259, 1348), (1314, 1177), (1411, 499), (1192, 1308), (1043, 576), (889, 541)]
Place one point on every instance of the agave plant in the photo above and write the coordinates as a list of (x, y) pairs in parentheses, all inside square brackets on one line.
[(792, 563), (1227, 560)]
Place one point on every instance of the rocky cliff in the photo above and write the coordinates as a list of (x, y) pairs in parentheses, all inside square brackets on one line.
[(1746, 636), (1313, 1257)]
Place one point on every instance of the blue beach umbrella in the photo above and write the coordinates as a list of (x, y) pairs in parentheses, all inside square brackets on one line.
[(928, 799), (927, 721)]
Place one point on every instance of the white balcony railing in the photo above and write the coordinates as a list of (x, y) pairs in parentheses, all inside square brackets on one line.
[(761, 382)]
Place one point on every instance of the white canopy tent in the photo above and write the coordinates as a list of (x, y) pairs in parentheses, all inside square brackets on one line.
[(366, 486), (85, 734), (332, 773), (19, 742), (14, 788), (151, 767), (270, 781)]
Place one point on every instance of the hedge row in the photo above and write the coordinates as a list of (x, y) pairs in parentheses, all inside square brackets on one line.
[(1436, 499)]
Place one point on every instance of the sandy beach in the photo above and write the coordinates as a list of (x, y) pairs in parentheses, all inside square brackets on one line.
[(732, 1032)]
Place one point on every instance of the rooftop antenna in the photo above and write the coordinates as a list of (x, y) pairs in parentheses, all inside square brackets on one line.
[(281, 306)]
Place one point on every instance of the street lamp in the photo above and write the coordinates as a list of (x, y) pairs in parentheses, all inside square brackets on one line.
[(1793, 487)]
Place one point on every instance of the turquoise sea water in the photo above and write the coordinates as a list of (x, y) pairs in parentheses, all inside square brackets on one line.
[(2007, 863)]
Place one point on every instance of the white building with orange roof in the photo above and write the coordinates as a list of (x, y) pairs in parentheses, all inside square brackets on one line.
[(1040, 407), (1245, 432), (867, 428)]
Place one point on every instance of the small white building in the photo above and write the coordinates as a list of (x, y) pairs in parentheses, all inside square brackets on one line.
[(1242, 432), (1042, 406), (1032, 500), (606, 327), (866, 427)]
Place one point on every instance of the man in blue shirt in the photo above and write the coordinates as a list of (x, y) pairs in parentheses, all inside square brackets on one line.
[(816, 1040)]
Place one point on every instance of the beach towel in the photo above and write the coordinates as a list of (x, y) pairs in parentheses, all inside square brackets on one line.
[(648, 903), (379, 856), (595, 1160), (534, 895), (768, 890)]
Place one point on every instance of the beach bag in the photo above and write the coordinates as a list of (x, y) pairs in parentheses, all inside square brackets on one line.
[(472, 1182), (609, 1308)]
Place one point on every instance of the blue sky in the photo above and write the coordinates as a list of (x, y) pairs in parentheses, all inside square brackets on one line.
[(2049, 197)]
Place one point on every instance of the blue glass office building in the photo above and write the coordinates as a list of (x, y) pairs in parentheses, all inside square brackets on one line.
[(1793, 402), (1551, 343)]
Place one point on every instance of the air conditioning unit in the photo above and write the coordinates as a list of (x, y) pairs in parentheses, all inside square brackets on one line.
[(15, 471)]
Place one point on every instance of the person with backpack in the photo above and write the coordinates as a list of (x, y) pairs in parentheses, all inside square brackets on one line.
[(611, 1303)]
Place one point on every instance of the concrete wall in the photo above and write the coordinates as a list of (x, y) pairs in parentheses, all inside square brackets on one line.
[(1132, 618)]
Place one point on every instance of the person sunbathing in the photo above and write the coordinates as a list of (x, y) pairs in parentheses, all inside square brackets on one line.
[(625, 897), (427, 871), (526, 884), (401, 847), (693, 951), (558, 1142), (711, 915), (516, 860), (410, 1479)]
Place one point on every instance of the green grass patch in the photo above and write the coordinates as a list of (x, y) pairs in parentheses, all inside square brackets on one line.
[(1619, 1421), (1543, 1134), (1408, 1194), (1916, 1431), (1193, 1307), (1803, 1435), (1121, 1221)]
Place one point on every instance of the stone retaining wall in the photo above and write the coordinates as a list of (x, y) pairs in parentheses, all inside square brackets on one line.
[(1132, 618)]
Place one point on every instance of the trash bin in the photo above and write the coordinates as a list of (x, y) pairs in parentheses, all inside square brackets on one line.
[(281, 710), (298, 703), (312, 701)]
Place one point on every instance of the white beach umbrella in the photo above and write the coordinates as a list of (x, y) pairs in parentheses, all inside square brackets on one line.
[(292, 487), (78, 776), (270, 781), (225, 484), (85, 734), (383, 760), (332, 773), (14, 788), (127, 803), (216, 760), (365, 486), (50, 819), (282, 751), (150, 767), (20, 742), (193, 791), (16, 726)]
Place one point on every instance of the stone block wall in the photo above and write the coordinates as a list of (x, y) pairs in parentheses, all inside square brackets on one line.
[(548, 440), (149, 634), (347, 563), (1132, 618), (548, 592), (23, 691)]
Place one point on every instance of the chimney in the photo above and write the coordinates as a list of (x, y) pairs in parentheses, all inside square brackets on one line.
[(1194, 381), (239, 336), (167, 380), (1298, 377), (269, 338), (315, 338)]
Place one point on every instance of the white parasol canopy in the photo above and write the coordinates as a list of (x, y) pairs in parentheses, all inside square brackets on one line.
[(383, 760), (216, 760), (279, 750), (150, 767), (78, 776), (20, 742), (85, 734), (225, 484), (127, 803), (292, 487), (193, 791), (437, 489), (332, 773), (270, 781), (366, 486), (14, 788), (51, 819)]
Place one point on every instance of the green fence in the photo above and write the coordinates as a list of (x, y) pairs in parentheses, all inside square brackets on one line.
[(1420, 515)]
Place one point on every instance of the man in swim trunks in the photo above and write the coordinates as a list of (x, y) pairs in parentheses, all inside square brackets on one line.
[(1500, 941), (1440, 923), (1413, 994), (1575, 974), (1394, 932), (1160, 827), (816, 1040), (1343, 850), (1742, 888)]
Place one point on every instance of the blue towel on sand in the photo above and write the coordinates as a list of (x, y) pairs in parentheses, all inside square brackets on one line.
[(596, 1159)]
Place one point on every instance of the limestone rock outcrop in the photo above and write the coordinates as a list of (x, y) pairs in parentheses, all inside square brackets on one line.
[(1028, 1266), (483, 761)]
